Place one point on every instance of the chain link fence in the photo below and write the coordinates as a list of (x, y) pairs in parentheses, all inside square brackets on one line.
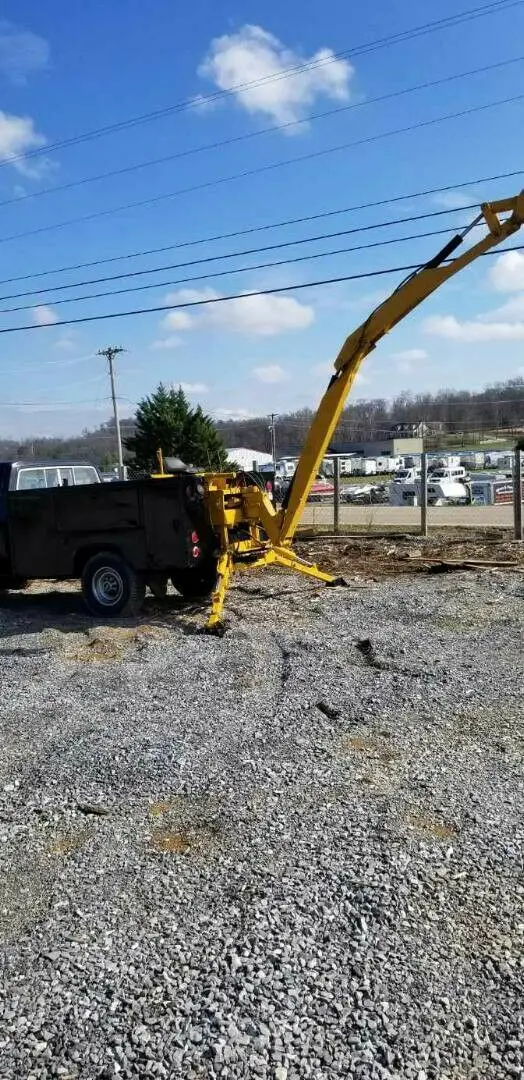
[(415, 499)]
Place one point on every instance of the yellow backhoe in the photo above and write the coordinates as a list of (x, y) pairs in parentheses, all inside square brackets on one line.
[(251, 533)]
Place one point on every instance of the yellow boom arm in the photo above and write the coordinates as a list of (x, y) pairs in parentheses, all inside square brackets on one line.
[(362, 341)]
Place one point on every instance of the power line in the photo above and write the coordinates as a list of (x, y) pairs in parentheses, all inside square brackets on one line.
[(54, 363), (272, 166), (267, 227), (235, 270), (236, 254), (158, 309), (124, 170), (449, 22), (18, 404)]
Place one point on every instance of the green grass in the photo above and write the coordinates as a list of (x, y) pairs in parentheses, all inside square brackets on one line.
[(483, 440)]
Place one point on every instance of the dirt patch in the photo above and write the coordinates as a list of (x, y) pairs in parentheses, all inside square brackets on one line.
[(163, 840), (184, 841), (104, 644), (375, 557), (185, 824), (165, 806), (68, 844), (371, 747), (439, 829)]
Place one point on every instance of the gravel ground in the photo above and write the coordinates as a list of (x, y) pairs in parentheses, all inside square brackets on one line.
[(293, 852)]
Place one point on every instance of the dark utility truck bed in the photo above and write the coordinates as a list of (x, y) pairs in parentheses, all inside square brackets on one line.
[(116, 537)]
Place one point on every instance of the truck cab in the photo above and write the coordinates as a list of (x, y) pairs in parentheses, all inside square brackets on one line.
[(37, 475)]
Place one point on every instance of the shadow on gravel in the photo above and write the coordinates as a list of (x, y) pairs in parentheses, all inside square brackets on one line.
[(34, 612)]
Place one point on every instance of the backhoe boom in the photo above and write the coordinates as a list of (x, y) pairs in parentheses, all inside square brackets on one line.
[(250, 532), (363, 340)]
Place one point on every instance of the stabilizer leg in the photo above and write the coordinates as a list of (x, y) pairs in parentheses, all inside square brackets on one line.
[(287, 558), (225, 570)]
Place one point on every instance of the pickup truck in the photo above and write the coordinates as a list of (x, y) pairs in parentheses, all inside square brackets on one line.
[(117, 538)]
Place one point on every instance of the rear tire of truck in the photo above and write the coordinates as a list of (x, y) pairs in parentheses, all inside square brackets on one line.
[(111, 587), (198, 582)]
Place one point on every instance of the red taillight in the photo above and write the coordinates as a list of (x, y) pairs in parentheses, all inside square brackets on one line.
[(194, 538), (196, 552)]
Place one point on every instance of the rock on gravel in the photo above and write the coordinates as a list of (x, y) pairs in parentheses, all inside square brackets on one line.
[(273, 855)]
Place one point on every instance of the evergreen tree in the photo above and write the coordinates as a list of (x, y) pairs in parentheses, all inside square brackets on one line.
[(205, 447), (165, 421)]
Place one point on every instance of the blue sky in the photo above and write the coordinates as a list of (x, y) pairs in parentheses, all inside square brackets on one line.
[(65, 70)]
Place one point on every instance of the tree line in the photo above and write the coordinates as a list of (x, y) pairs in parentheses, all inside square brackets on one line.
[(165, 418)]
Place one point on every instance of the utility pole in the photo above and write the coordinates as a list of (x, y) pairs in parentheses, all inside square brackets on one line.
[(424, 493), (273, 439), (109, 353), (517, 493)]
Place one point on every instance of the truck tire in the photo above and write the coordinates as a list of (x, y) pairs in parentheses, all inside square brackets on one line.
[(197, 582), (111, 587)]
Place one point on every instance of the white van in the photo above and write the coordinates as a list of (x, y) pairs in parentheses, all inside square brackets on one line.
[(455, 474), (406, 476), (285, 468)]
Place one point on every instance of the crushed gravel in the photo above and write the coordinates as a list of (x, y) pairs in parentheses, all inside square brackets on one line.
[(292, 852)]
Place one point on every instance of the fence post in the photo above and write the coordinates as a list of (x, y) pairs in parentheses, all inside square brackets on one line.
[(336, 494), (517, 494), (424, 493)]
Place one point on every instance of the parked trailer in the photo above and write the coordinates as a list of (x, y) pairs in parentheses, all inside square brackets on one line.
[(491, 492), (366, 467)]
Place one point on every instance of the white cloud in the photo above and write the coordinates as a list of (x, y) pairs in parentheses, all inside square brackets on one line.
[(410, 355), (259, 316), (271, 373), (176, 320), (233, 414), (194, 387), (511, 309), (17, 136), (66, 343), (454, 200), (448, 327), (44, 316), (166, 343), (507, 272), (254, 55), (21, 53)]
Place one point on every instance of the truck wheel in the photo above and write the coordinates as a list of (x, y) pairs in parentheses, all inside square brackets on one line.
[(197, 582), (111, 587)]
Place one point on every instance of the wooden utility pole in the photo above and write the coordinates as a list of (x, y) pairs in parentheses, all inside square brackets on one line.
[(424, 493), (109, 353), (517, 494), (273, 439), (336, 494)]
